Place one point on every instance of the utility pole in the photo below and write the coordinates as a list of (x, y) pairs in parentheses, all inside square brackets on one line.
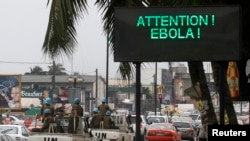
[(155, 86), (96, 85)]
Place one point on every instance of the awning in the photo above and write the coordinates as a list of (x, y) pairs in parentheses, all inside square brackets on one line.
[(33, 111)]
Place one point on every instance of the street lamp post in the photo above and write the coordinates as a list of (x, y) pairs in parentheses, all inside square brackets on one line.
[(75, 80)]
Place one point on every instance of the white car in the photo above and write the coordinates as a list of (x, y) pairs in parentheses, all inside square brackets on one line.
[(5, 137), (143, 124), (157, 119), (16, 121), (17, 132)]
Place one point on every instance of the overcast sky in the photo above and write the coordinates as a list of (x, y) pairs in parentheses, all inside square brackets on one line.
[(22, 31)]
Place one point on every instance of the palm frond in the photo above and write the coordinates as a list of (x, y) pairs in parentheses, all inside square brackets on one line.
[(60, 38)]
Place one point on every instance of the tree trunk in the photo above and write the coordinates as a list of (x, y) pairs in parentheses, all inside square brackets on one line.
[(228, 104), (197, 75)]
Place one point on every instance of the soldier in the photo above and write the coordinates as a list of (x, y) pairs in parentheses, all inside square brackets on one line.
[(78, 107), (77, 120), (59, 120), (96, 119), (103, 108), (73, 122), (47, 105), (107, 121), (47, 121)]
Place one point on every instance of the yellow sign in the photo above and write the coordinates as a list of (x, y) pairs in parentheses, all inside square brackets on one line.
[(160, 89), (46, 94), (233, 79)]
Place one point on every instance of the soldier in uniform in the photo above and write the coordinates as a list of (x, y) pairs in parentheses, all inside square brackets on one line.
[(73, 122), (107, 121), (47, 120), (103, 108), (47, 105), (76, 118), (78, 107), (96, 119)]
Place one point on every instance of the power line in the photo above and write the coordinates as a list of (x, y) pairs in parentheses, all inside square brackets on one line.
[(9, 62)]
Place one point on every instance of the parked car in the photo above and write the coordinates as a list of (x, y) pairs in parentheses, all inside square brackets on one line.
[(143, 124), (16, 121), (35, 124), (17, 132), (5, 137), (162, 132), (187, 130)]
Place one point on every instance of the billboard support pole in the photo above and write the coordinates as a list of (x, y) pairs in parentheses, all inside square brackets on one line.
[(138, 100)]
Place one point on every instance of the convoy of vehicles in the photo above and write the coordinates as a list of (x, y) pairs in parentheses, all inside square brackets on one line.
[(124, 129), (121, 132)]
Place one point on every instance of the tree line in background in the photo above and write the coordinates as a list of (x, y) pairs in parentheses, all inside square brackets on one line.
[(58, 69)]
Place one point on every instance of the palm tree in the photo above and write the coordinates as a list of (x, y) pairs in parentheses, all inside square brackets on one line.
[(56, 69), (37, 70)]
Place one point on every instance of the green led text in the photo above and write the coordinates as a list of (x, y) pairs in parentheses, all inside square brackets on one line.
[(175, 27)]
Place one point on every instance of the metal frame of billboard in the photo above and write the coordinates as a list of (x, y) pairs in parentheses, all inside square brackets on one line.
[(187, 33)]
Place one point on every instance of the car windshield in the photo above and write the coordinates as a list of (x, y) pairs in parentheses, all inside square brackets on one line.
[(133, 119), (194, 117), (160, 126), (182, 124), (155, 119), (8, 130)]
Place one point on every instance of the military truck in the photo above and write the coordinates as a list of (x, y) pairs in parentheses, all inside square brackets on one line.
[(121, 132)]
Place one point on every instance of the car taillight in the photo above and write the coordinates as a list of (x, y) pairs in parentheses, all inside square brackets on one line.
[(140, 125), (151, 133), (191, 131), (168, 134)]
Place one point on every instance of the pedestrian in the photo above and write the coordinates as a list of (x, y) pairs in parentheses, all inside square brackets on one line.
[(107, 121), (96, 119), (103, 108), (7, 119)]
